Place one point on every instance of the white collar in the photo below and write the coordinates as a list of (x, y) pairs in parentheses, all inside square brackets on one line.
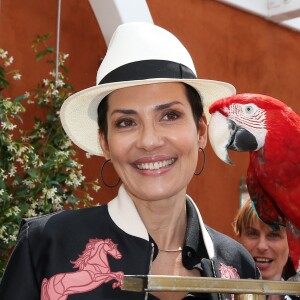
[(124, 214)]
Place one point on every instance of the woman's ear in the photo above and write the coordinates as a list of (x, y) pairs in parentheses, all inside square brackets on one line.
[(202, 132), (104, 145)]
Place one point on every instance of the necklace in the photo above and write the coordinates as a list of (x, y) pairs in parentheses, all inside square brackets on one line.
[(171, 250)]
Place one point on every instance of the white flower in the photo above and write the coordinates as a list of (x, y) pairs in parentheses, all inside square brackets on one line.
[(11, 126), (20, 160), (13, 237), (17, 76), (12, 171), (5, 240), (46, 82), (55, 93), (66, 144), (24, 138), (52, 73), (59, 83), (29, 183), (50, 193), (11, 148), (88, 155), (74, 163), (1, 192), (89, 198), (26, 95), (9, 61), (4, 125), (16, 210), (3, 54), (36, 125), (31, 213), (96, 187)]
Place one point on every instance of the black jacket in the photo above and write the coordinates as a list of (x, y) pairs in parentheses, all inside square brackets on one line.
[(82, 254)]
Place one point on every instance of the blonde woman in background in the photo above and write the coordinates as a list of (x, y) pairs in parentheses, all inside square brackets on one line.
[(268, 246)]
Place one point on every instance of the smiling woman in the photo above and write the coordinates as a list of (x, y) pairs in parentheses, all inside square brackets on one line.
[(150, 123), (268, 246), (146, 117)]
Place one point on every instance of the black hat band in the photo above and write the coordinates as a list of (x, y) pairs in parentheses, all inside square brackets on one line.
[(147, 69)]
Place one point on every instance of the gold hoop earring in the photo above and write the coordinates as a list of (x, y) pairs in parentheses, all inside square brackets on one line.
[(204, 161), (102, 178)]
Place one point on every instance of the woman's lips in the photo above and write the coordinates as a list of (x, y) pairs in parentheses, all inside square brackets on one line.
[(263, 260), (155, 165), (263, 263)]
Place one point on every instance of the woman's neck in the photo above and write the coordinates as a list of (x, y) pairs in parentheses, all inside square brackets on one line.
[(165, 220)]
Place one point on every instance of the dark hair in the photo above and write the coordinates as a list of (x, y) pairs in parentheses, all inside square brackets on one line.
[(193, 97), (288, 270)]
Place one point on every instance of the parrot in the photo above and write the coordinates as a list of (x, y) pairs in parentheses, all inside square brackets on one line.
[(269, 130)]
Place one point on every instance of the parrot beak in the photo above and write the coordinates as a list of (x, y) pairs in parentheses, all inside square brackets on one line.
[(219, 135), (226, 134)]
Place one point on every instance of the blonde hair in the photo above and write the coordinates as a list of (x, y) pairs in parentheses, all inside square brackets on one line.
[(245, 218)]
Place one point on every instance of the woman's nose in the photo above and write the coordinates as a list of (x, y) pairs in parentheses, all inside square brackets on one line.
[(150, 137), (262, 244)]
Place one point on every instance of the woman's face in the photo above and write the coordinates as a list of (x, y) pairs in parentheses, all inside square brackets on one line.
[(152, 139), (268, 247)]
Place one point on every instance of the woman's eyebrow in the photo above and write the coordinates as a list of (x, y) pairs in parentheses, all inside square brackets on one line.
[(166, 105), (156, 108), (124, 111)]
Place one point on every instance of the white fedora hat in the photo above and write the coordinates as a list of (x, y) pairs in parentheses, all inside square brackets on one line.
[(138, 53)]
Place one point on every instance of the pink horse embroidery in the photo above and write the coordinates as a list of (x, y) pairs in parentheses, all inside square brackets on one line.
[(93, 271)]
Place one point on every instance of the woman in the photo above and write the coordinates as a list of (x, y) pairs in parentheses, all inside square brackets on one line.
[(267, 245), (146, 117)]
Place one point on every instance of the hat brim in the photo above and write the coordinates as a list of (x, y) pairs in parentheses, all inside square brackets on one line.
[(79, 115)]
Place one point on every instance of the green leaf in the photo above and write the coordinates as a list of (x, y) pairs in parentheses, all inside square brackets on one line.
[(33, 173), (19, 99), (42, 54)]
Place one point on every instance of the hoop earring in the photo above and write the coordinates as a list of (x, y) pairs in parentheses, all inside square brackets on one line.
[(102, 178), (204, 161)]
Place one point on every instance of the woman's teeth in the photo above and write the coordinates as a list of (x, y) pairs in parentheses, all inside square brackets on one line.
[(263, 260), (156, 165)]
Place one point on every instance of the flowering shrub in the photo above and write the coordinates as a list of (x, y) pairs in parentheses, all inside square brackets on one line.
[(39, 170)]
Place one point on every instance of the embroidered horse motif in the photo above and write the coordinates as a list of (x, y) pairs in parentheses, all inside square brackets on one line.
[(94, 271)]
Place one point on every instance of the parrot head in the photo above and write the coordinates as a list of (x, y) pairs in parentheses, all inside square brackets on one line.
[(240, 123)]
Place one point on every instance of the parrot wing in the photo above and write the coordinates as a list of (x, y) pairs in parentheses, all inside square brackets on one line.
[(265, 207)]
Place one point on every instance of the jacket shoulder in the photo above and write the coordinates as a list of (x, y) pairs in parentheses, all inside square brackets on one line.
[(232, 253), (41, 226)]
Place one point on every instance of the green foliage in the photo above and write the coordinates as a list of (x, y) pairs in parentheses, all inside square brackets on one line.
[(39, 168)]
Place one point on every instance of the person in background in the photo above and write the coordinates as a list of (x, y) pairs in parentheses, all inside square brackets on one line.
[(268, 246), (146, 117)]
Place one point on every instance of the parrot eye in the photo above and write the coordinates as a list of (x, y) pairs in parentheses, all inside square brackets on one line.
[(250, 109)]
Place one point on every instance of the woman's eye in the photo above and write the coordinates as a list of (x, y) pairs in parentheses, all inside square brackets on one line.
[(125, 123), (252, 233), (275, 235), (171, 115)]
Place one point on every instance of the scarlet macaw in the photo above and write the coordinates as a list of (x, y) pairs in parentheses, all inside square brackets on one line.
[(270, 131)]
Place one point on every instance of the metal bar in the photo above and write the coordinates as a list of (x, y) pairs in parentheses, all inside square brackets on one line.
[(151, 283)]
